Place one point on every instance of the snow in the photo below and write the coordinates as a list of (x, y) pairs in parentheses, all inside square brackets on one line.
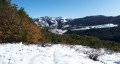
[(58, 31), (66, 26), (63, 20), (97, 26), (55, 54), (51, 22)]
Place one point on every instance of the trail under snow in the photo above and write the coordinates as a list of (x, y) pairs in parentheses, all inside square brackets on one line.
[(56, 54)]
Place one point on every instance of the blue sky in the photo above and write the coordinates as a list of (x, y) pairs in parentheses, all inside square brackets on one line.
[(69, 8)]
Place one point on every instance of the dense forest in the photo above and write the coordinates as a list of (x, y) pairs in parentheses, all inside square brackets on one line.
[(74, 39), (112, 34), (16, 26)]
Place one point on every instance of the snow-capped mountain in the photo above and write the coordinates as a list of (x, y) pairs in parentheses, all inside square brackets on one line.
[(60, 25), (56, 24), (51, 22)]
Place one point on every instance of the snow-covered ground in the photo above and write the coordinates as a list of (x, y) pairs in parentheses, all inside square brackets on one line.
[(58, 31), (55, 54), (97, 26)]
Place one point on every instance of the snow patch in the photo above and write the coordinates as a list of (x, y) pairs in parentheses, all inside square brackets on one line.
[(97, 26), (58, 31)]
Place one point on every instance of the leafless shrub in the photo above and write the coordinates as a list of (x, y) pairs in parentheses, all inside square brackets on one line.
[(94, 57)]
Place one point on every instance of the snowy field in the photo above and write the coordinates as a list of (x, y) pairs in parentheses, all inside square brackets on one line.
[(55, 54)]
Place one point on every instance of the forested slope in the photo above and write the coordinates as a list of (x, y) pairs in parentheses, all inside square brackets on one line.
[(16, 25)]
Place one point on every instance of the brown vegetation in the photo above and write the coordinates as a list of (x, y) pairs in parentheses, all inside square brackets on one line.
[(16, 25)]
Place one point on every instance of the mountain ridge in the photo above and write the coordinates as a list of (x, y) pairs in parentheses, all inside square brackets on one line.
[(100, 26), (88, 22)]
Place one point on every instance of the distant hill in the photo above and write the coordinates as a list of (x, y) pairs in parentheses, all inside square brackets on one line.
[(103, 27)]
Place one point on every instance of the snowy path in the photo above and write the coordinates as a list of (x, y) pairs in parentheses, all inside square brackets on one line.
[(44, 57), (56, 54)]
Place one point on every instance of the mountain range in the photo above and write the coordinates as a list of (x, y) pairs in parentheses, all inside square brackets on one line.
[(99, 26), (89, 22)]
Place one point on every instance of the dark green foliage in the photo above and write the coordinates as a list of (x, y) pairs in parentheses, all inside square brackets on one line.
[(22, 13), (5, 3), (80, 40), (112, 34)]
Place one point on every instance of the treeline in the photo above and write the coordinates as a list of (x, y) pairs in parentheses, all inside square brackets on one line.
[(112, 34), (80, 40), (16, 25)]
